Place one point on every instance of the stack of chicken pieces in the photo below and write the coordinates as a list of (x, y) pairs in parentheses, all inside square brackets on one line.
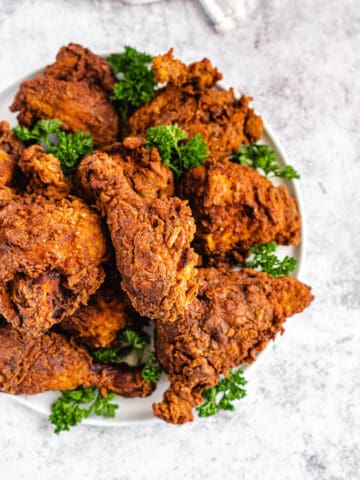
[(122, 243)]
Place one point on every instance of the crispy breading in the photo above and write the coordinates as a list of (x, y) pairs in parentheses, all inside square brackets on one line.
[(151, 240), (234, 316), (50, 362), (75, 90), (98, 323), (188, 100), (44, 173), (236, 207), (76, 63), (51, 254)]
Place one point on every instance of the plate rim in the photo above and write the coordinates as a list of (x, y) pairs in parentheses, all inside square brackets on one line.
[(281, 152)]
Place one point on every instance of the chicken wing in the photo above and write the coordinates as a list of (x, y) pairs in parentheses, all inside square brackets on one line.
[(236, 207), (234, 316), (74, 90), (29, 366), (188, 100), (151, 240)]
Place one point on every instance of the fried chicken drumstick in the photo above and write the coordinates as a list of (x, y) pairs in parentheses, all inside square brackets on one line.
[(236, 207), (29, 366), (151, 240)]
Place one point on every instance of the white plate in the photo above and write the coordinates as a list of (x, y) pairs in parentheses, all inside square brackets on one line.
[(139, 410)]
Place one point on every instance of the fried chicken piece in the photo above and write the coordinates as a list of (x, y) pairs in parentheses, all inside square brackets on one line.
[(8, 142), (200, 75), (29, 366), (223, 121), (151, 240), (52, 254), (235, 315), (236, 207), (97, 324), (10, 150), (44, 173), (73, 90), (143, 168), (76, 63)]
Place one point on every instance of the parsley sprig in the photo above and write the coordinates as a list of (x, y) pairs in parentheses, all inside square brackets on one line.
[(264, 259), (175, 152), (75, 405), (231, 388), (263, 158), (132, 340), (136, 80), (69, 148)]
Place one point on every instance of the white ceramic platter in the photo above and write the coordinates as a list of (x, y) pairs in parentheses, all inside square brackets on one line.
[(139, 411)]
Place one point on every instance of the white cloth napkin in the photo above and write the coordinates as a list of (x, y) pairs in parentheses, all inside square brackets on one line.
[(225, 14)]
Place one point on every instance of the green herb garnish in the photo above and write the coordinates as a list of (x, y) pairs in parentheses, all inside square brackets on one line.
[(137, 83), (111, 355), (232, 389), (69, 148), (152, 370), (135, 341), (175, 152), (265, 260), (75, 405), (263, 158)]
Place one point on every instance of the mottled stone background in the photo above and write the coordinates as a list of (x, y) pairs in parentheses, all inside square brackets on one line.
[(300, 60)]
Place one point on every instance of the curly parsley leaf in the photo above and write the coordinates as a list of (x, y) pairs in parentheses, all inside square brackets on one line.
[(265, 260), (263, 158), (75, 405), (69, 148), (136, 80), (232, 389), (174, 151), (111, 355), (41, 132), (152, 370)]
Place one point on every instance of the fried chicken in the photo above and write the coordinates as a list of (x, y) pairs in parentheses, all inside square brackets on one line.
[(234, 316), (97, 324), (29, 366), (188, 100), (10, 150), (51, 254), (44, 173), (75, 90), (236, 207), (143, 168), (151, 239)]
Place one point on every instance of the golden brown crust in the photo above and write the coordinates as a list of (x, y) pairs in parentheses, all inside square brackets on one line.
[(98, 323), (51, 254), (76, 63), (190, 101), (78, 105), (8, 142), (151, 240), (235, 207), (50, 362), (235, 315), (44, 173)]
